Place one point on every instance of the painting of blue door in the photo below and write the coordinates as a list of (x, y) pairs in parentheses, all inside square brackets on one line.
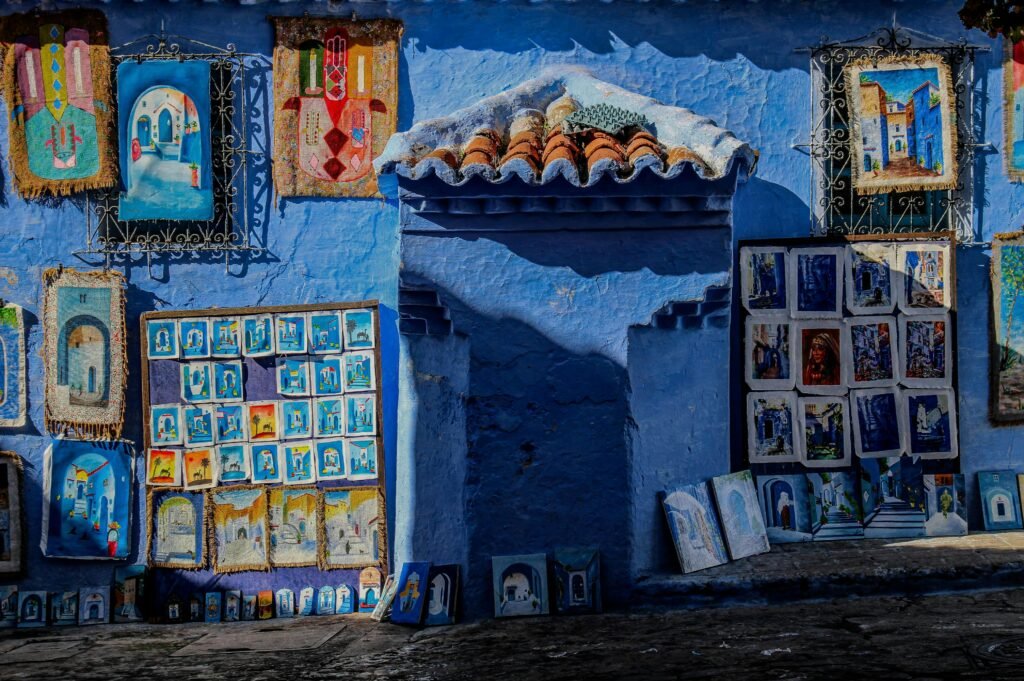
[(142, 132), (165, 125)]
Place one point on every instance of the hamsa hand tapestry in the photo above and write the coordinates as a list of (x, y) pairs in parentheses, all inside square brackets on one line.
[(335, 103), (57, 86)]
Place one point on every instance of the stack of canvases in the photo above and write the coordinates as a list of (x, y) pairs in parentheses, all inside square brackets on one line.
[(882, 367)]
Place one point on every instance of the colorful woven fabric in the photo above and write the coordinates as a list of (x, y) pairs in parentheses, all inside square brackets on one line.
[(57, 86), (335, 103)]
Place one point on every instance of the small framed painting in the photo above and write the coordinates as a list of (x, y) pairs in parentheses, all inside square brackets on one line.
[(520, 585), (212, 607), (815, 285), (162, 339), (1000, 500), (360, 415), (925, 285), (232, 605), (931, 423), (265, 605), (299, 466), (196, 382), (248, 607), (296, 420), (165, 425), (199, 425), (361, 458), (258, 335), (325, 600), (177, 530), (163, 467), (874, 357), (786, 502), (879, 428), (231, 423), (284, 603), (328, 419), (195, 338), (324, 332), (200, 468), (824, 423), (264, 422), (360, 374), (358, 329), (265, 463), (225, 337), (232, 464), (764, 279), (927, 359), (325, 374), (93, 605), (946, 505), (344, 602), (293, 376), (411, 598), (820, 349), (771, 427), (290, 334), (371, 582), (228, 385), (330, 459), (307, 601), (869, 278), (768, 355)]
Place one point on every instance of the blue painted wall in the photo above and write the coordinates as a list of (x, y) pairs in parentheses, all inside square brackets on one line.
[(731, 60)]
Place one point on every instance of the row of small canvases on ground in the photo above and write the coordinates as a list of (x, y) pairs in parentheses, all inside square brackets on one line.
[(335, 105), (888, 356)]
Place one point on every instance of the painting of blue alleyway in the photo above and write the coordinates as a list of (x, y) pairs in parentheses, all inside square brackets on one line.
[(157, 183)]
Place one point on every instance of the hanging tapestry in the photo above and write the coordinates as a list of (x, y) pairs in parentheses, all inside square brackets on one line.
[(1007, 404), (903, 126), (87, 489), (239, 535), (84, 350), (163, 122), (12, 367), (335, 103), (11, 517), (1013, 109), (57, 87)]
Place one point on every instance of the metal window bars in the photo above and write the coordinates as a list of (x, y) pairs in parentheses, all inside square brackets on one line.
[(229, 233), (836, 207)]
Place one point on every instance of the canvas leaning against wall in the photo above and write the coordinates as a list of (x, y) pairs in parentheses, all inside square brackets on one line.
[(57, 90)]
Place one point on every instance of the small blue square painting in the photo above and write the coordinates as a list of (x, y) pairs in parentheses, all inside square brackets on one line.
[(892, 497), (233, 463), (945, 498), (231, 423), (228, 384), (195, 338), (872, 340), (740, 513), (266, 462), (299, 466), (324, 332), (835, 509), (1000, 500), (199, 427), (307, 601), (815, 286), (93, 605), (520, 585), (360, 415), (88, 488), (442, 595), (162, 339), (771, 427), (212, 607), (31, 609), (284, 603), (877, 427), (165, 146), (785, 506), (292, 376), (225, 337), (330, 459), (325, 597), (359, 372), (328, 420), (694, 527), (577, 584), (296, 421), (359, 333), (196, 382), (361, 458), (63, 608), (412, 594), (165, 425), (258, 335), (325, 372), (931, 423), (925, 269), (345, 602), (869, 278), (290, 330), (178, 532), (763, 278)]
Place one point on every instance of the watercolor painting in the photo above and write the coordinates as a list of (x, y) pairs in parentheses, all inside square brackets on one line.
[(694, 527), (265, 605), (931, 423), (296, 419), (371, 582), (878, 426), (293, 376), (412, 593), (225, 337), (769, 355), (162, 339), (88, 488), (232, 423), (577, 583), (360, 415), (874, 361), (290, 334), (232, 605), (199, 467), (299, 463), (195, 607), (8, 606), (284, 603), (892, 497), (443, 593), (740, 513), (177, 536), (360, 374), (13, 401), (815, 284), (361, 457), (239, 529), (764, 279), (771, 427), (520, 585), (358, 330), (200, 430), (924, 272), (835, 510), (258, 335), (165, 425), (93, 605), (344, 600), (329, 418), (1007, 330), (228, 385), (293, 526), (174, 610), (351, 527), (249, 607), (945, 497), (263, 421), (825, 425), (129, 594), (822, 358), (926, 357), (165, 151), (266, 463), (785, 507), (330, 459), (31, 609), (163, 467), (902, 122), (12, 545), (233, 464), (325, 600), (195, 338), (307, 601), (1000, 500), (63, 608), (324, 332), (870, 280), (325, 373), (196, 382)]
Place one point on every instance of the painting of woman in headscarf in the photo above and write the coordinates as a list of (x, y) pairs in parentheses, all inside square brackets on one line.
[(820, 360)]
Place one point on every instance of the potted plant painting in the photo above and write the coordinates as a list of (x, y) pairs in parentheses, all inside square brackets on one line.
[(195, 174)]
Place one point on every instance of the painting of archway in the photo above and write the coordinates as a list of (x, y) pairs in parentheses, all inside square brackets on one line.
[(520, 585), (785, 506)]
